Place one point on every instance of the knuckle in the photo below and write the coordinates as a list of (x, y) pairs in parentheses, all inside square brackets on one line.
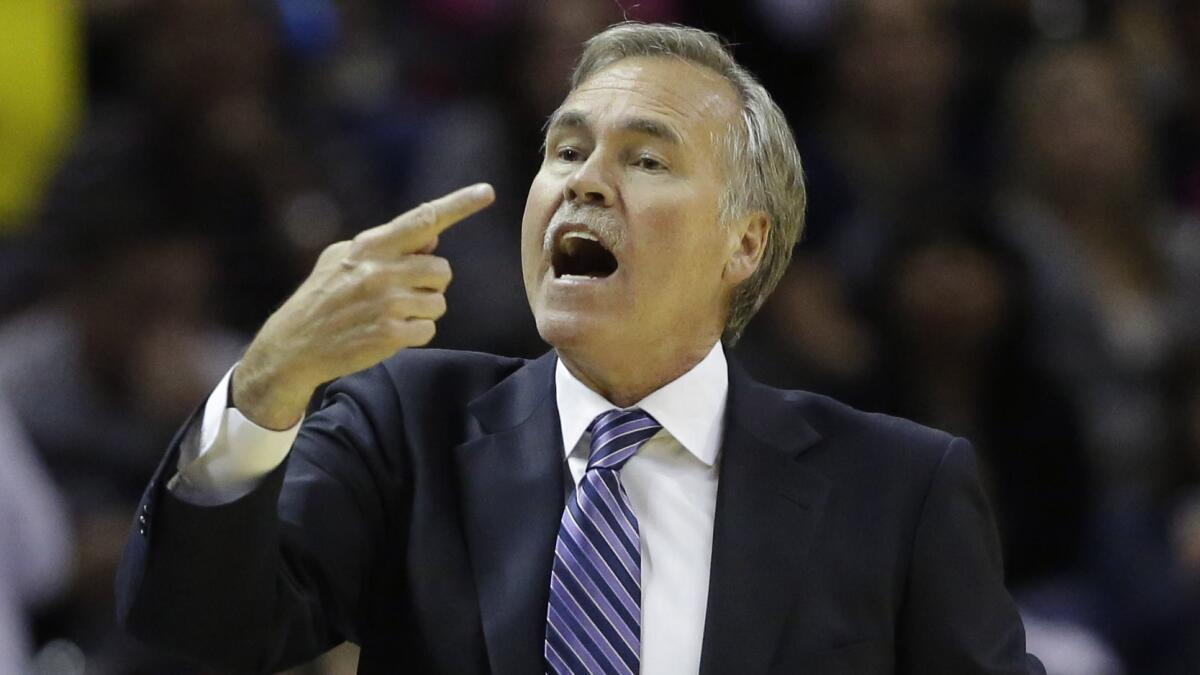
[(335, 251), (438, 303), (440, 271), (426, 214), (426, 307), (427, 271), (413, 332), (416, 306), (371, 277), (363, 240), (425, 330), (396, 330), (397, 308), (365, 270)]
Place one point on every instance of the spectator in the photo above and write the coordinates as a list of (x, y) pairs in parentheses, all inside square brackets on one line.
[(885, 142), (35, 540), (1114, 271), (889, 126), (953, 306), (93, 369)]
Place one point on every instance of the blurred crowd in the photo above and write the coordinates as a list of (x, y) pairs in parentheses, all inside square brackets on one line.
[(1003, 242)]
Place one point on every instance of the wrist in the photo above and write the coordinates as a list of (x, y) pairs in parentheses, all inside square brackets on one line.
[(266, 399)]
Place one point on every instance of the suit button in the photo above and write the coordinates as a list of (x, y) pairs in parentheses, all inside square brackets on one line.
[(142, 531), (142, 522)]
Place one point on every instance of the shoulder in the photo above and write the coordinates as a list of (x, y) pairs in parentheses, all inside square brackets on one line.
[(836, 420), (887, 464), (414, 388), (413, 367), (436, 375), (444, 374), (849, 438)]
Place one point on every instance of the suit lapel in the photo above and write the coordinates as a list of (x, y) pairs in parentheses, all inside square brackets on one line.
[(511, 485), (768, 509)]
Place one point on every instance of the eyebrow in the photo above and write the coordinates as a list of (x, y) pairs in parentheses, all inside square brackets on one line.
[(573, 119)]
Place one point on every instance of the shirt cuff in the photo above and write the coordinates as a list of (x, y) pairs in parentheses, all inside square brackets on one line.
[(228, 456)]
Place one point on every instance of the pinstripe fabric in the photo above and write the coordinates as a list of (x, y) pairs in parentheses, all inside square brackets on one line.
[(593, 622)]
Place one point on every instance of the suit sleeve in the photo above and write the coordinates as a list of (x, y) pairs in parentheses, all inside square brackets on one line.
[(227, 455), (957, 617), (275, 577)]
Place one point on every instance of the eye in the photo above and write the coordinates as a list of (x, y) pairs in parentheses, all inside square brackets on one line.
[(567, 153), (649, 163)]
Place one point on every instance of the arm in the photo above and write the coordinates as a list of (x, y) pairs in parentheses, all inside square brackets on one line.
[(957, 617), (226, 455), (269, 573), (272, 578)]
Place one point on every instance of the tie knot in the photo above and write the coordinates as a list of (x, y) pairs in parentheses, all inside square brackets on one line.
[(617, 434)]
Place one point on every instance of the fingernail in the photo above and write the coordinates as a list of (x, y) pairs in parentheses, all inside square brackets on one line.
[(481, 190)]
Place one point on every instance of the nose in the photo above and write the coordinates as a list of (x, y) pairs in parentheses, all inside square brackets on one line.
[(589, 184)]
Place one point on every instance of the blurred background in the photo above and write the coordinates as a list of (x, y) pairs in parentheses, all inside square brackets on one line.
[(1003, 242)]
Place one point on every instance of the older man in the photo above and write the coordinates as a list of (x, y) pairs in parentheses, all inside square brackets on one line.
[(628, 502)]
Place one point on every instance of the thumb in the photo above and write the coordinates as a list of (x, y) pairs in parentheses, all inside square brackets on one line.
[(429, 247)]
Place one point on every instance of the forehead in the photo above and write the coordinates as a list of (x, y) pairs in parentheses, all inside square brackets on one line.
[(689, 97)]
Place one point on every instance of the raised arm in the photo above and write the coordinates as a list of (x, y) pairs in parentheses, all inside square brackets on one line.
[(367, 298), (274, 577)]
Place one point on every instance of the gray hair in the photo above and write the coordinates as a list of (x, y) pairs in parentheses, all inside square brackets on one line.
[(762, 162)]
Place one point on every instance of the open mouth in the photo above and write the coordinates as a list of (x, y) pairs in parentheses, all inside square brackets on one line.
[(581, 255)]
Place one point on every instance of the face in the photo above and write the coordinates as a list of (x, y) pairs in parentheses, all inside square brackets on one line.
[(623, 250), (898, 59), (1085, 133), (951, 299)]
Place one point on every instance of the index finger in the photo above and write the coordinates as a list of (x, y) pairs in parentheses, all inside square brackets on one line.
[(416, 229)]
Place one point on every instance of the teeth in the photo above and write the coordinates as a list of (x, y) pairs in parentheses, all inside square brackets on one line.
[(576, 276), (581, 234)]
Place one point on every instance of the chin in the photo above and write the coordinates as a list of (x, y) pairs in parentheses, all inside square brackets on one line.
[(561, 329), (570, 330)]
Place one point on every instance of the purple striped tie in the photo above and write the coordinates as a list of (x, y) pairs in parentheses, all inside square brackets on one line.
[(593, 624)]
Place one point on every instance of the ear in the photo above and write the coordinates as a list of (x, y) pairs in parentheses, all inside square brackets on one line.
[(748, 243)]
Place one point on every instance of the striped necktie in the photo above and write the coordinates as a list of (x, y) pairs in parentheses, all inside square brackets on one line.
[(593, 623)]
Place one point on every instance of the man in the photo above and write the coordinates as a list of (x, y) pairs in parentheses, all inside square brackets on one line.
[(708, 523)]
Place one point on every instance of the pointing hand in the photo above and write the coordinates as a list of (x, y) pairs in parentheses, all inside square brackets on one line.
[(366, 299)]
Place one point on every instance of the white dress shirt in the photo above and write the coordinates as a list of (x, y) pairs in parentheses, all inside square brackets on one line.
[(671, 483)]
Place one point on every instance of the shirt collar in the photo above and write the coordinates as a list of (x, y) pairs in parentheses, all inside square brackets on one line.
[(691, 407)]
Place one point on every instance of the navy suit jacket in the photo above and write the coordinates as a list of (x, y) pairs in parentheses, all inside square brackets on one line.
[(417, 512)]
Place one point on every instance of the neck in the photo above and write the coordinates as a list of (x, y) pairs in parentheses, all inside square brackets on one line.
[(623, 381)]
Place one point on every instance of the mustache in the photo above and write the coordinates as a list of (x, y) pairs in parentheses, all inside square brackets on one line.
[(598, 221)]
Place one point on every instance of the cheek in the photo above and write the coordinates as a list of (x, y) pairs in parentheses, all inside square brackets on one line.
[(675, 211), (657, 233), (683, 245), (542, 201)]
